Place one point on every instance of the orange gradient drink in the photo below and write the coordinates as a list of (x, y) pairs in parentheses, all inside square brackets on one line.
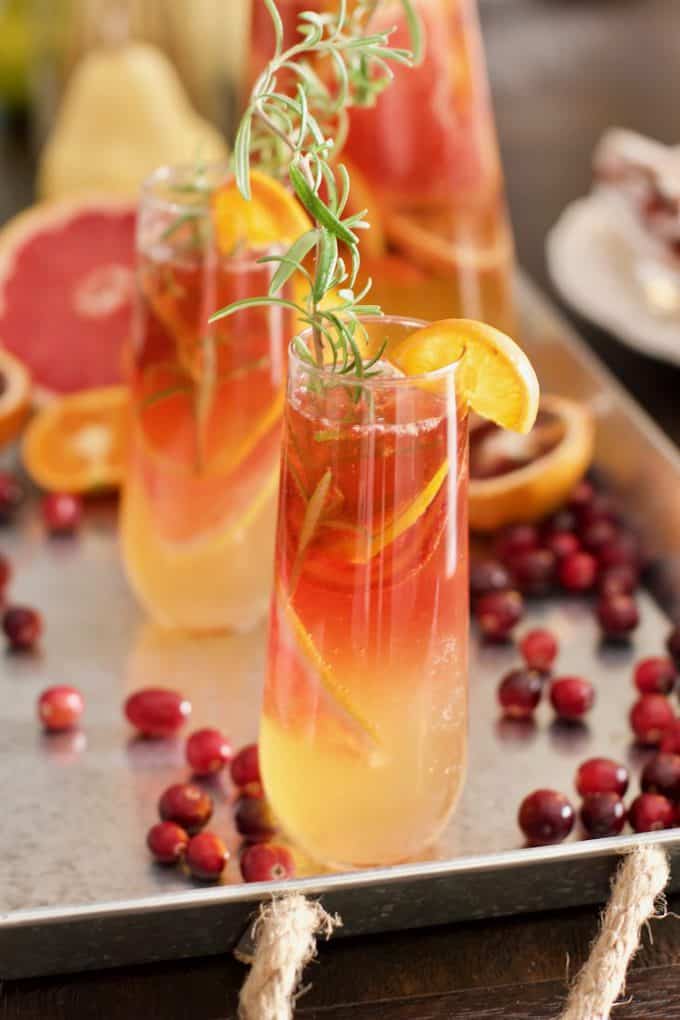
[(363, 734), (198, 516)]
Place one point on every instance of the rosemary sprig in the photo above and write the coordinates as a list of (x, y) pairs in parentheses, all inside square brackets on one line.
[(338, 63)]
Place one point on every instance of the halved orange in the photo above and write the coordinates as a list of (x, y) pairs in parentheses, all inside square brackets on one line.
[(78, 443), (15, 395), (516, 479), (271, 216)]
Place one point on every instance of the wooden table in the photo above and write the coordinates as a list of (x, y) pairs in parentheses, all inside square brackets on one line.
[(562, 71)]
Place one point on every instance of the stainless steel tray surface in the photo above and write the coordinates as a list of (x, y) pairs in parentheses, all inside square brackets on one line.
[(77, 889)]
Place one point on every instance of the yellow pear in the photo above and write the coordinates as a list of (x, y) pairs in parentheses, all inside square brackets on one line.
[(124, 113)]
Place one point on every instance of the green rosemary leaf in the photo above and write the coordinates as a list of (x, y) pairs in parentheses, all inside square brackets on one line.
[(331, 187), (242, 154), (181, 221), (315, 207), (326, 259), (278, 25), (414, 29), (292, 259), (255, 302)]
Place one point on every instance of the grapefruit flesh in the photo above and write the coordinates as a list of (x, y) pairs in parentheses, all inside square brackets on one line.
[(66, 291)]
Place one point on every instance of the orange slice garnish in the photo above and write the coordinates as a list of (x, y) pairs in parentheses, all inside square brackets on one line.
[(15, 395), (271, 216), (78, 443), (517, 479)]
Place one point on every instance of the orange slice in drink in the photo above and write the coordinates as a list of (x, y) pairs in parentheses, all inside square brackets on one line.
[(494, 376), (78, 443), (271, 216), (15, 394)]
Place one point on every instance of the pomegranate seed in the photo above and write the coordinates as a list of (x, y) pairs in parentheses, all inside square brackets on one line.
[(62, 512), (533, 571), (545, 816), (497, 613), (656, 675), (572, 697), (207, 751), (519, 692), (650, 717), (206, 856), (5, 573), (245, 767), (22, 627), (622, 551), (60, 708), (167, 842), (661, 775), (673, 645), (156, 711), (539, 649), (671, 738), (618, 615), (187, 805), (11, 495), (254, 819), (601, 775), (266, 862), (577, 572), (649, 812), (598, 534), (581, 496), (602, 814), (618, 580), (488, 576), (562, 544)]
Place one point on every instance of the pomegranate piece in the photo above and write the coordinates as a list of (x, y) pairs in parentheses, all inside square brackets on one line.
[(487, 576), (62, 513), (167, 842), (655, 675), (602, 814), (673, 645), (533, 571), (206, 856), (577, 572), (651, 811), (562, 544), (497, 614), (619, 580), (187, 805), (572, 697), (245, 767), (617, 615), (661, 774), (22, 626), (519, 692), (539, 649), (157, 712), (266, 862), (60, 708), (516, 538), (601, 775), (650, 717), (207, 752), (253, 818), (671, 738), (545, 816), (11, 496)]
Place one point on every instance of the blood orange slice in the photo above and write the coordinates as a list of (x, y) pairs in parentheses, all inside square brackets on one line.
[(66, 285)]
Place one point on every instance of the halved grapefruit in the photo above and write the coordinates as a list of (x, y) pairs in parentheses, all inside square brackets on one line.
[(66, 288)]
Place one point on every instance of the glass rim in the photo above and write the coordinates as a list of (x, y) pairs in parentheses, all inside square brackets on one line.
[(327, 373), (169, 172)]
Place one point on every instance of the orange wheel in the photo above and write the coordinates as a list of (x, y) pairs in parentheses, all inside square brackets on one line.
[(272, 215), (15, 395)]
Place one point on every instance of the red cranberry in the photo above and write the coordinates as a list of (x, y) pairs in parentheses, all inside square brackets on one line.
[(581, 495), (618, 615), (602, 814), (206, 856), (649, 812), (599, 508), (618, 580), (622, 550), (671, 739), (266, 862), (650, 717), (187, 805), (561, 522), (516, 538), (207, 752), (488, 576), (254, 819), (577, 572), (655, 675), (598, 534), (519, 692), (562, 544), (572, 697), (661, 775), (539, 649), (601, 775), (167, 842), (62, 512), (673, 645), (22, 627), (533, 571), (11, 495), (545, 816), (497, 613), (60, 708), (156, 711), (245, 767), (5, 573)]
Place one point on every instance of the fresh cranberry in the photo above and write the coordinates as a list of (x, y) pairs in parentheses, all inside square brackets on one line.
[(516, 538), (497, 613), (618, 615), (650, 717), (562, 544), (622, 550), (598, 534), (572, 697), (206, 856), (601, 775), (671, 739), (245, 767), (60, 708), (266, 862), (561, 522), (602, 814), (62, 512), (5, 573), (519, 692), (487, 576), (600, 508), (533, 571), (167, 842), (649, 812), (656, 675), (673, 645), (578, 571), (661, 774), (22, 627), (11, 495), (539, 649), (207, 751), (545, 816), (254, 819), (187, 805), (156, 711), (618, 580), (581, 496)]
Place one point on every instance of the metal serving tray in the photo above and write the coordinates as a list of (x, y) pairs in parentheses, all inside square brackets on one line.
[(77, 889)]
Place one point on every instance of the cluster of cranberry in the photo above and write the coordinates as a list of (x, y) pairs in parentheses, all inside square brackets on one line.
[(520, 690)]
